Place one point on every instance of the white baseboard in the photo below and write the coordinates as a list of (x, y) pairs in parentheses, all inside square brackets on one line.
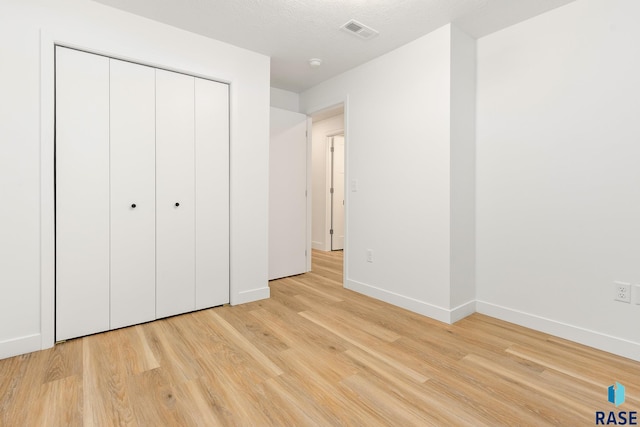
[(433, 311), (317, 245), (462, 311), (251, 295), (22, 345), (604, 342), (608, 343)]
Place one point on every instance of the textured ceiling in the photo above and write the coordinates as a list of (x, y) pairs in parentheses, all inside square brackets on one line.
[(293, 31)]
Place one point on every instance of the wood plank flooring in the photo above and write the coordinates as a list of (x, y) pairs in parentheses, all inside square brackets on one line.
[(314, 354)]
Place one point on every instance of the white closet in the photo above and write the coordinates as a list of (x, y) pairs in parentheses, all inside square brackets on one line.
[(142, 193)]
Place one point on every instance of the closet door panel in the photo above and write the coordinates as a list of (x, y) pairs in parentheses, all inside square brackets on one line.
[(212, 193), (82, 193), (132, 194), (175, 195)]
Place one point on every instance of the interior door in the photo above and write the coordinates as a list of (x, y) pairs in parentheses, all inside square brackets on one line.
[(212, 193), (337, 199), (175, 194), (82, 193), (287, 194), (133, 227)]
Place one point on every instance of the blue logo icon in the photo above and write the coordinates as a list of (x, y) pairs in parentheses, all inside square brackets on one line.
[(616, 394)]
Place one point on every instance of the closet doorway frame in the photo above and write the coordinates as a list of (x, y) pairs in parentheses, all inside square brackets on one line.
[(48, 42), (344, 131)]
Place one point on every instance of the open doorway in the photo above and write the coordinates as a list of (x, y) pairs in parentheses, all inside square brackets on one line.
[(328, 167)]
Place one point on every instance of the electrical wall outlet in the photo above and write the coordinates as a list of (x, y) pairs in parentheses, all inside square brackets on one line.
[(369, 255), (622, 292), (636, 294)]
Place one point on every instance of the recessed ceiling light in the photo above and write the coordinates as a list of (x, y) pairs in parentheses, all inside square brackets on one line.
[(315, 62)]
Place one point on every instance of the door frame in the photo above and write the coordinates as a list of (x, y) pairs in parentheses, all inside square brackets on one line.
[(48, 40), (309, 189), (332, 103), (328, 185)]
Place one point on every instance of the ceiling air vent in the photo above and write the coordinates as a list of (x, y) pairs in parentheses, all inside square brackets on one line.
[(359, 29)]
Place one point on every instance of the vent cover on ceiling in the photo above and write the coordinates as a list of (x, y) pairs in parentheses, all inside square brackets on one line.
[(359, 29)]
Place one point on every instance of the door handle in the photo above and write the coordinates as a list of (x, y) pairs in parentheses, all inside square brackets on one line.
[(177, 204), (133, 205)]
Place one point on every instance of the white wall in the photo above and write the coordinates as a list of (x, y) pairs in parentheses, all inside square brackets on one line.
[(285, 99), (558, 178), (321, 217), (26, 274), (463, 169), (398, 149)]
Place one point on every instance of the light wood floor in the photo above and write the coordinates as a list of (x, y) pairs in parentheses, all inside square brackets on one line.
[(314, 354)]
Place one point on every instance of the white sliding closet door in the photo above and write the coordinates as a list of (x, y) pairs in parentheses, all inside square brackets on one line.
[(82, 193), (212, 193), (175, 197), (133, 263)]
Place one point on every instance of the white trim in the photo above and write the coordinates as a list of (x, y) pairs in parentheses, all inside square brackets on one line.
[(22, 345), (77, 45), (47, 210), (608, 343), (411, 304), (347, 197), (337, 132), (251, 295), (309, 189), (462, 311), (317, 245), (426, 309)]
